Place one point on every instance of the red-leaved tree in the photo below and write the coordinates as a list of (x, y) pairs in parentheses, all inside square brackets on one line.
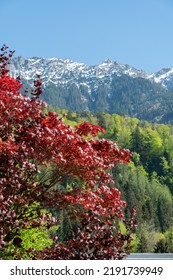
[(30, 141)]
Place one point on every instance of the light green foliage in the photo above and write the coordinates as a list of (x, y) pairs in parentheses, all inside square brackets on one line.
[(36, 238), (165, 243), (135, 244), (122, 227), (148, 238)]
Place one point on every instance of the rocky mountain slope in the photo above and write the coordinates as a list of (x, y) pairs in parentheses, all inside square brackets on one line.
[(109, 86)]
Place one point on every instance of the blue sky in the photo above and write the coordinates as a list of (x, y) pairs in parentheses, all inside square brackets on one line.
[(134, 32)]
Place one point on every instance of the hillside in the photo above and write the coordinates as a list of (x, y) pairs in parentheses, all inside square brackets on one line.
[(147, 182)]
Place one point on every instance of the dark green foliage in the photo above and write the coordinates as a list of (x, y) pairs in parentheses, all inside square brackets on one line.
[(125, 95), (55, 95), (101, 103), (65, 230), (139, 97)]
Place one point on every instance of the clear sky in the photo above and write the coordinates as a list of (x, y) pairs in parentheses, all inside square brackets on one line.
[(134, 32)]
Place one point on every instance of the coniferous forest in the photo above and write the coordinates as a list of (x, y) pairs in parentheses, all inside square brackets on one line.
[(80, 185)]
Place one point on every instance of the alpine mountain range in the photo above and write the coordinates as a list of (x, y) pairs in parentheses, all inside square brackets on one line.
[(108, 87)]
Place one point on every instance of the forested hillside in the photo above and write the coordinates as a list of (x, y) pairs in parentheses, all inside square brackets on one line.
[(135, 97), (147, 182)]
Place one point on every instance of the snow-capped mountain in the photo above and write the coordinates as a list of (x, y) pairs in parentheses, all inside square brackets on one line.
[(109, 86), (65, 71), (164, 77)]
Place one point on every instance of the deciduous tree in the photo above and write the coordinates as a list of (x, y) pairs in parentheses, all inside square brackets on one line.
[(31, 139)]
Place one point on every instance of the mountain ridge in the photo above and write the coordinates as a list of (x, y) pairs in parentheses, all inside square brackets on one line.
[(79, 87), (105, 67)]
